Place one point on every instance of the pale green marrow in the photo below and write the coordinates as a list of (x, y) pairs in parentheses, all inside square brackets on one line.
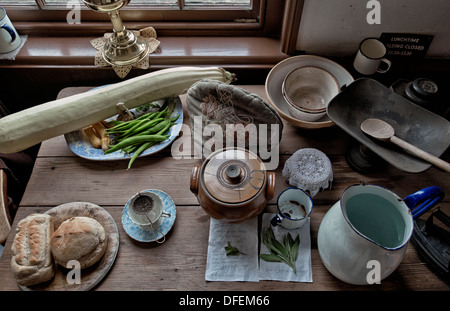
[(31, 126)]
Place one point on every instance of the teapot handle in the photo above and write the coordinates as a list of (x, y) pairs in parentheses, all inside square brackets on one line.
[(422, 200), (195, 175), (270, 185)]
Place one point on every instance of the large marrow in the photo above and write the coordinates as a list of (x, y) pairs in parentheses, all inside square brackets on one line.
[(31, 126)]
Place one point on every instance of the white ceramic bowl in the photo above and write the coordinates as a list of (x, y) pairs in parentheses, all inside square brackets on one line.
[(308, 90), (276, 77)]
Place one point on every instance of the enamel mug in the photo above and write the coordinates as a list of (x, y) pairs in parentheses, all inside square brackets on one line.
[(294, 207), (9, 38), (370, 57)]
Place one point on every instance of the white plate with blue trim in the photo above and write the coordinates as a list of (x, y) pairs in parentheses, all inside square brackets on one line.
[(80, 145), (145, 233)]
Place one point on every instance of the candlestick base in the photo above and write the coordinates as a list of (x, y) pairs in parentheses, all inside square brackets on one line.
[(125, 49)]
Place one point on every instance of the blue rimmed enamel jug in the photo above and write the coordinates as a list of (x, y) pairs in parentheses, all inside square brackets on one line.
[(363, 237)]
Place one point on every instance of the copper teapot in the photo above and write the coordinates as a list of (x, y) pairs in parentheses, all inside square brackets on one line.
[(232, 185)]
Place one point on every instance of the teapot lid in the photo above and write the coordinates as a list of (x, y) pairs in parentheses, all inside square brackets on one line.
[(233, 175)]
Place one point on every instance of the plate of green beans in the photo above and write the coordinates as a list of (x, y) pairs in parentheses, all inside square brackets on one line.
[(155, 126)]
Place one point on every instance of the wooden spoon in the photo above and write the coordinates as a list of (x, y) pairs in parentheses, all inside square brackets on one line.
[(383, 131)]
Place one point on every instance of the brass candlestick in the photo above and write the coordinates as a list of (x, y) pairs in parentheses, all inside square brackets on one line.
[(123, 47)]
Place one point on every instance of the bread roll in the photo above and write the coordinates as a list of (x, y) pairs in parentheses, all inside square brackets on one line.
[(32, 261), (79, 238)]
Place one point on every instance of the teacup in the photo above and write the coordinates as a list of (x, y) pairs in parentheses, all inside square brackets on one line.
[(146, 209), (294, 207)]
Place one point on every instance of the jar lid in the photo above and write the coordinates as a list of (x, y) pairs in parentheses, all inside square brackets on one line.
[(309, 169), (233, 175), (424, 87), (421, 90)]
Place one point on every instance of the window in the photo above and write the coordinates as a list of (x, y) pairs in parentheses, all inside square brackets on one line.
[(168, 4), (170, 17)]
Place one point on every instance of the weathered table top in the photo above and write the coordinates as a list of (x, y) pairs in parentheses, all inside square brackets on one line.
[(59, 176)]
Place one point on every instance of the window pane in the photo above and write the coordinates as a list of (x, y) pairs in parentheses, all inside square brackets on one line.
[(59, 2), (17, 2), (192, 3), (154, 2), (217, 2), (148, 3)]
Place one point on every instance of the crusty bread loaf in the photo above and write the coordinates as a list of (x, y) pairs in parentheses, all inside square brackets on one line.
[(32, 261), (79, 238)]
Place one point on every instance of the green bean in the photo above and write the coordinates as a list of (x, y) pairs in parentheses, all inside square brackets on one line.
[(130, 149), (136, 140), (122, 125), (165, 129), (136, 125), (163, 112), (147, 115), (139, 151), (156, 127), (139, 130), (173, 119), (129, 127), (146, 145), (135, 136), (146, 125), (116, 122)]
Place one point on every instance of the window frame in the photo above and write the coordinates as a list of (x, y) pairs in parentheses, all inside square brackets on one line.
[(192, 22)]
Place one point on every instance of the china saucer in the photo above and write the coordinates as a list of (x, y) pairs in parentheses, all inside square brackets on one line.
[(145, 233)]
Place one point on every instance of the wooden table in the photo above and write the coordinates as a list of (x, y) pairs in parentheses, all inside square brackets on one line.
[(59, 177)]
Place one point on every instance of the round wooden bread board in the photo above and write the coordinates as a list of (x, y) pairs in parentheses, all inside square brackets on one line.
[(91, 276)]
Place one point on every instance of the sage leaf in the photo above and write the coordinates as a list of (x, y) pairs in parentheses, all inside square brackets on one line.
[(295, 247), (232, 251), (286, 252), (270, 258)]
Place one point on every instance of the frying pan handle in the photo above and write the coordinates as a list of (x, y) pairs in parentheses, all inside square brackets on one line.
[(422, 200)]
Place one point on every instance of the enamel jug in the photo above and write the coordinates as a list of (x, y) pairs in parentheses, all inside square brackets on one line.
[(363, 237)]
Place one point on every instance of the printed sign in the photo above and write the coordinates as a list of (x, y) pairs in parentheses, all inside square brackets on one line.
[(406, 45)]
